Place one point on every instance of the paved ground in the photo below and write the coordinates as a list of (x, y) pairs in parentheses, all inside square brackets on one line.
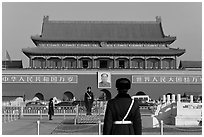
[(28, 126), (59, 126)]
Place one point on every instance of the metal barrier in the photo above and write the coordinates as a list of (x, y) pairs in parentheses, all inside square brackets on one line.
[(162, 127), (10, 115), (100, 124), (100, 127), (58, 111), (38, 127)]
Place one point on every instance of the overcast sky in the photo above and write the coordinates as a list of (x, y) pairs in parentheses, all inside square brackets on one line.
[(21, 20)]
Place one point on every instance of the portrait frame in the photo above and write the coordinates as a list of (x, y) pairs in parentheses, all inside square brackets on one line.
[(101, 84)]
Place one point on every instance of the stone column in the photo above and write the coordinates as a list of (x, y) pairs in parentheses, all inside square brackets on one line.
[(168, 98), (178, 97), (173, 98), (191, 98), (164, 98)]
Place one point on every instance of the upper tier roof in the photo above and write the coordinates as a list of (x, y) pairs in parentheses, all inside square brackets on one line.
[(190, 64), (146, 31), (102, 51)]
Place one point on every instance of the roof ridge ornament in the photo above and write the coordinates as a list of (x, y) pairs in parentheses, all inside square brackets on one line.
[(46, 18), (158, 19)]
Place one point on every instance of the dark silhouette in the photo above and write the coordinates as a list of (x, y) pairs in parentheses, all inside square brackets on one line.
[(122, 116), (51, 109)]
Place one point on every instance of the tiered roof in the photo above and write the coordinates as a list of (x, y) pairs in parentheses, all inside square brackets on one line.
[(137, 31), (103, 51), (149, 32), (190, 64)]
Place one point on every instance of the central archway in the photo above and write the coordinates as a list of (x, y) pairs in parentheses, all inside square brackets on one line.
[(107, 93), (39, 96), (67, 96)]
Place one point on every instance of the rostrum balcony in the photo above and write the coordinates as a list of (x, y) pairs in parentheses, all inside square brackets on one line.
[(102, 62)]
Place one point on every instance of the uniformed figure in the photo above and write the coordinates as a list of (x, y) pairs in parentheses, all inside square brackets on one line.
[(104, 81), (88, 99), (122, 116), (50, 109)]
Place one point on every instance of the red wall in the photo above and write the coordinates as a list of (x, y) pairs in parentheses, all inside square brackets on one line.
[(84, 80)]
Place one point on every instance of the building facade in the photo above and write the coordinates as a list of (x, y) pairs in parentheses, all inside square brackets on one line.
[(70, 55), (102, 45)]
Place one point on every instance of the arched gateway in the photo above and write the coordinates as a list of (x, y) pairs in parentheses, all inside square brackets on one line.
[(40, 96), (68, 96)]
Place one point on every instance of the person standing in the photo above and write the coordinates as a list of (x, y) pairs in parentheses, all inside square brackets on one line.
[(88, 99), (122, 116), (50, 108)]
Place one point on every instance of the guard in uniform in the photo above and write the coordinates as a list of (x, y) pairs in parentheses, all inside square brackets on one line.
[(122, 116), (51, 109), (88, 99)]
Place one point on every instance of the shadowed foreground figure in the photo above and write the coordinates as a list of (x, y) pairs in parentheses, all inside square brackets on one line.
[(118, 121), (51, 109)]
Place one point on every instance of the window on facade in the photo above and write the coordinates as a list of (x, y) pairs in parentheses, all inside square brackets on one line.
[(121, 64), (85, 63), (103, 64)]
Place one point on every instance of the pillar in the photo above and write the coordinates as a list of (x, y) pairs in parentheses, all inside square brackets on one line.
[(33, 63), (161, 63), (164, 98), (178, 97), (154, 63), (191, 98), (145, 63), (30, 62), (93, 66), (95, 63), (130, 62), (173, 98), (168, 98), (138, 64), (114, 60), (170, 64), (46, 63), (61, 62), (77, 62), (175, 63)]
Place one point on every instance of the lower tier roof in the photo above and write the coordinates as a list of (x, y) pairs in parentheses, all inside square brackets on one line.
[(103, 51)]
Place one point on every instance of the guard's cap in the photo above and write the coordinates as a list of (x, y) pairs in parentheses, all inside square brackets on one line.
[(123, 83), (88, 87)]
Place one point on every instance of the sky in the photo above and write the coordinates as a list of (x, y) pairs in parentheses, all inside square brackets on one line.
[(22, 20)]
